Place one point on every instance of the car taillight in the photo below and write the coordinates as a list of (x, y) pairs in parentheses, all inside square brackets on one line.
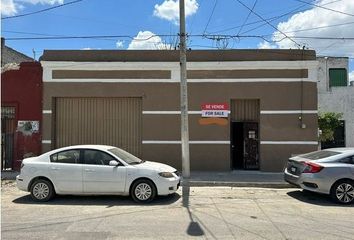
[(312, 167)]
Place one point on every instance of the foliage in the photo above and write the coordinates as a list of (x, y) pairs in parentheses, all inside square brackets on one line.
[(328, 122)]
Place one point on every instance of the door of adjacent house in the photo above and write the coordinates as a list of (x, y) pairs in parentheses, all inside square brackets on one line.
[(7, 137)]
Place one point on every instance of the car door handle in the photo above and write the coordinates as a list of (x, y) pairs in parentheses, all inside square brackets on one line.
[(55, 168), (89, 170)]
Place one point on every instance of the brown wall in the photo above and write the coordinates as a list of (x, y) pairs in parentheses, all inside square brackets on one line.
[(274, 157), (204, 157), (165, 97), (173, 56)]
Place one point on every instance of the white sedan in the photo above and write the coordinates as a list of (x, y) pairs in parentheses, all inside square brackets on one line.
[(95, 170)]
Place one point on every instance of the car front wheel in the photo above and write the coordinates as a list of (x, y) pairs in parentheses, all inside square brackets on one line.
[(143, 191), (343, 191), (42, 190)]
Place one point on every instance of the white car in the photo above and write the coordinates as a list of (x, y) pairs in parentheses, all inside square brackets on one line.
[(95, 170)]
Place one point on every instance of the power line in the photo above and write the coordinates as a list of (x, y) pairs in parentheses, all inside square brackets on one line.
[(275, 18), (228, 27), (259, 21), (326, 38), (288, 13), (211, 15), (43, 10), (51, 35), (315, 28), (209, 36), (329, 9), (271, 19), (89, 37), (248, 15), (38, 34), (268, 23)]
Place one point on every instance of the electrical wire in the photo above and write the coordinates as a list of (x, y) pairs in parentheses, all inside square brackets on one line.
[(271, 19), (211, 15), (329, 9), (283, 15), (248, 15), (315, 28), (43, 10), (52, 35), (209, 36), (297, 44), (259, 21)]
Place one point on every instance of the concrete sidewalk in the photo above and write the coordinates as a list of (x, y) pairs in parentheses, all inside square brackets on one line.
[(9, 175), (238, 178)]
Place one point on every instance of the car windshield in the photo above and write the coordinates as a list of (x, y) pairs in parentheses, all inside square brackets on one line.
[(319, 154), (125, 156)]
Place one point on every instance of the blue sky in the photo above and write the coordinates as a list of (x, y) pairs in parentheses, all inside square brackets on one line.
[(143, 18)]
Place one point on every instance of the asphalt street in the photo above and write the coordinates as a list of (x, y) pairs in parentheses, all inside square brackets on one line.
[(191, 213)]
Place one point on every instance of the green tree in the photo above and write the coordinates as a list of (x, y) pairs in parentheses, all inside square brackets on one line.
[(328, 122)]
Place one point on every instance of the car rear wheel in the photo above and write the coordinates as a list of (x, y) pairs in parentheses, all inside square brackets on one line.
[(42, 190), (143, 191), (343, 191)]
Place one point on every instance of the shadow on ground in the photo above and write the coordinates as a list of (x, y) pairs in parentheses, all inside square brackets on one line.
[(315, 198), (194, 229), (109, 201)]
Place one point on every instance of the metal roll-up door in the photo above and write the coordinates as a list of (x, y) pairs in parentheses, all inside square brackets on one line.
[(107, 121)]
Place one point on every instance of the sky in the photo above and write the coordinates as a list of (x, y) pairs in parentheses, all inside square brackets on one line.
[(154, 24)]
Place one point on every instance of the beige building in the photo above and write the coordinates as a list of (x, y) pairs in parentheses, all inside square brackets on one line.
[(131, 99), (335, 94)]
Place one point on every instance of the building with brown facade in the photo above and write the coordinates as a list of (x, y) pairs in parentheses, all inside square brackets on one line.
[(267, 102)]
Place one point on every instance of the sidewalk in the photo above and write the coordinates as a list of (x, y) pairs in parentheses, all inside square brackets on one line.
[(9, 175), (237, 178)]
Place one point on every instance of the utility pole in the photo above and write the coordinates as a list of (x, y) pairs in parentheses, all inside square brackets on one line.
[(184, 92)]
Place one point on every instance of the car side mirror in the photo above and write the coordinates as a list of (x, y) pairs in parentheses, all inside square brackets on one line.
[(113, 163)]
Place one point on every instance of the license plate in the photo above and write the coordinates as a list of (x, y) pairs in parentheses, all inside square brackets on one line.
[(293, 169)]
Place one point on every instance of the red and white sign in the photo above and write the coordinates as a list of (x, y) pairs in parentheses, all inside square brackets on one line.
[(215, 110)]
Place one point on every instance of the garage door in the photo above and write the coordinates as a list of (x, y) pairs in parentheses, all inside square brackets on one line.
[(108, 121)]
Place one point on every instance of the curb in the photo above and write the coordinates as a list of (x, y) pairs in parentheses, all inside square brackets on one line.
[(193, 183)]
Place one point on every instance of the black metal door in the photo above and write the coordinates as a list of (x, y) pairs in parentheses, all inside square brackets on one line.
[(237, 145), (250, 146), (7, 137)]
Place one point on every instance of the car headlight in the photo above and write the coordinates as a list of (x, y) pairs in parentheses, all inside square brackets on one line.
[(166, 174)]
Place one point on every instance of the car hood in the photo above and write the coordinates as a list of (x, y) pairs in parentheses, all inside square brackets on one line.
[(160, 167)]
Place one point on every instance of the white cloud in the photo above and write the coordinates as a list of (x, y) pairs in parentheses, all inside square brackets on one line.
[(266, 45), (147, 40), (43, 2), (88, 48), (318, 17), (12, 7), (351, 76), (169, 9), (8, 8), (120, 44)]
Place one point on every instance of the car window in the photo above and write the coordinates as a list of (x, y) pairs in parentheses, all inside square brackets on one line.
[(348, 160), (70, 156), (319, 154), (125, 156), (97, 157)]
